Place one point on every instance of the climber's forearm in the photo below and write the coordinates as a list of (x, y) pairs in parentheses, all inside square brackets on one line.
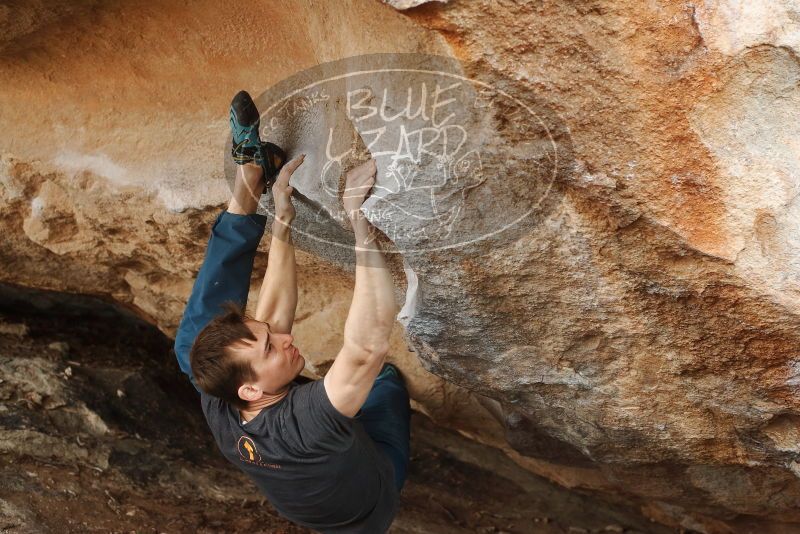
[(371, 317), (368, 253), (277, 300)]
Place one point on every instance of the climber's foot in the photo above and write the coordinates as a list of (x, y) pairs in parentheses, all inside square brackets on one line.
[(244, 122), (246, 146), (271, 158)]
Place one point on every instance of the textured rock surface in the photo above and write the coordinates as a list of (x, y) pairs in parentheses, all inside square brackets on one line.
[(406, 4), (98, 434), (638, 336)]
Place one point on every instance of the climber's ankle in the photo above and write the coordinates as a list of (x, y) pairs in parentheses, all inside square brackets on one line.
[(247, 189)]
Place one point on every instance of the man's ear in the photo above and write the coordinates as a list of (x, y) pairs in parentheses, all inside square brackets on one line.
[(249, 392)]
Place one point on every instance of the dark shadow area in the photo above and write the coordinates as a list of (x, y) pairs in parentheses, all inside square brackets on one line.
[(100, 431)]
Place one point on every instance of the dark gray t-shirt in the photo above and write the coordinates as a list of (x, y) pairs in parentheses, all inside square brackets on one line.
[(318, 467)]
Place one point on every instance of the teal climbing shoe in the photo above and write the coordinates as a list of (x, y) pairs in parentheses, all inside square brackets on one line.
[(245, 122), (271, 158), (388, 370), (246, 146)]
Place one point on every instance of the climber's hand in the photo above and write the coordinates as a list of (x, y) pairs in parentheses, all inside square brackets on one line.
[(357, 186), (282, 191)]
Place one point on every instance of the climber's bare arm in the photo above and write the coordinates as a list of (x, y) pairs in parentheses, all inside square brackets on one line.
[(372, 311), (277, 300)]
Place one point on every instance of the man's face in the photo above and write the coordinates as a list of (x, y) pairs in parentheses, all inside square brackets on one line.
[(273, 357)]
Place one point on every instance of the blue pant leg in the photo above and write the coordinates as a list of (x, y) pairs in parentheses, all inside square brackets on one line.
[(223, 277), (386, 417)]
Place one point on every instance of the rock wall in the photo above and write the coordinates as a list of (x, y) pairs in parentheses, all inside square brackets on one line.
[(98, 433), (638, 335)]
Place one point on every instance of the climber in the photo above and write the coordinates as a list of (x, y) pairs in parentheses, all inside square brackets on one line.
[(329, 454)]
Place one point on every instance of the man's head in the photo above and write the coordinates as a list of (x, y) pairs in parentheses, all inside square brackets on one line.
[(238, 359)]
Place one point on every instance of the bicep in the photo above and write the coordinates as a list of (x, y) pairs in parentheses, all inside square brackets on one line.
[(350, 379)]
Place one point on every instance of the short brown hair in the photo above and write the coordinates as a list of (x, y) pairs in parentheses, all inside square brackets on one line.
[(216, 370)]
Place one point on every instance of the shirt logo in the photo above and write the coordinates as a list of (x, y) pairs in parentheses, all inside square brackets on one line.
[(247, 450), (249, 453)]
